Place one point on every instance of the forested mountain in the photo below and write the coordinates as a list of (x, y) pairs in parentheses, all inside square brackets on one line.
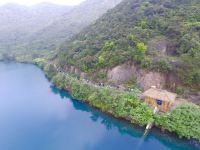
[(70, 23), (160, 35), (44, 26), (112, 51), (18, 23)]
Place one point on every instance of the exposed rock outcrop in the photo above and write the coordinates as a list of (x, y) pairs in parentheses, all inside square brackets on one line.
[(121, 73), (145, 79), (72, 70)]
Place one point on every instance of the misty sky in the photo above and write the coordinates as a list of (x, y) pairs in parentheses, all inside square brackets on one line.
[(32, 2)]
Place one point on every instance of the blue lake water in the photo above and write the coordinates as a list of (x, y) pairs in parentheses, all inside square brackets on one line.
[(34, 115)]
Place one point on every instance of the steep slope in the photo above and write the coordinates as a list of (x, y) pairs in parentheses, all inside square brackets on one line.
[(45, 26), (18, 22), (70, 23), (159, 35)]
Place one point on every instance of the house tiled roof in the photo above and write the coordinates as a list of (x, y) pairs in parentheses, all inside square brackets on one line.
[(160, 94)]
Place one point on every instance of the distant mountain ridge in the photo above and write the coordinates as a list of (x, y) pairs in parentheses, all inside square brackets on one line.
[(18, 22), (44, 26), (71, 23)]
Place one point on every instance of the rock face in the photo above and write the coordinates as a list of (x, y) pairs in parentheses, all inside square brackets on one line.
[(70, 69), (121, 73), (128, 71), (74, 70), (145, 79)]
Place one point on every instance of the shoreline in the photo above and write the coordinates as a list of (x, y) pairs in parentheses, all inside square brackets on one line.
[(133, 125), (111, 114)]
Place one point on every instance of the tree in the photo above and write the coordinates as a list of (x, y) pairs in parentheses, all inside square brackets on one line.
[(108, 46), (50, 70), (139, 52), (101, 59), (141, 47)]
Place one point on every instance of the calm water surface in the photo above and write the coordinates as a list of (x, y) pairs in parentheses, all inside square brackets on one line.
[(34, 115)]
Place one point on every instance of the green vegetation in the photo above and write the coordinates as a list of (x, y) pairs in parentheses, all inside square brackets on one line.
[(126, 33), (121, 104), (19, 24), (180, 90), (50, 70), (129, 32), (45, 26), (184, 121)]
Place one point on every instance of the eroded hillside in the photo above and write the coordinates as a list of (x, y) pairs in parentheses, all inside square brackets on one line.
[(156, 35)]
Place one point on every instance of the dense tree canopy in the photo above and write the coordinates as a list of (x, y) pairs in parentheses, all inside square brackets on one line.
[(128, 32)]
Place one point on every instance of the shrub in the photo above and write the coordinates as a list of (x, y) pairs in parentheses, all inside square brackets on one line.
[(180, 90), (183, 120), (50, 70)]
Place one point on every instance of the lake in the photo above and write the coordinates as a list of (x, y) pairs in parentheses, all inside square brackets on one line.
[(35, 115)]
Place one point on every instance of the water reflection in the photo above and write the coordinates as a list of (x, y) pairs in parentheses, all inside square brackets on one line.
[(125, 128), (34, 115)]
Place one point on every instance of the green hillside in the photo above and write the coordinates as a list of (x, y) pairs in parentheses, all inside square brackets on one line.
[(69, 24), (161, 35), (44, 26), (19, 22)]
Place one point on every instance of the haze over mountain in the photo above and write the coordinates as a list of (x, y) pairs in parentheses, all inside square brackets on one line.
[(71, 23), (157, 36), (35, 2), (18, 22), (44, 26)]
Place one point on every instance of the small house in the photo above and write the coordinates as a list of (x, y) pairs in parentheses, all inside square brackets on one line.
[(159, 98)]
